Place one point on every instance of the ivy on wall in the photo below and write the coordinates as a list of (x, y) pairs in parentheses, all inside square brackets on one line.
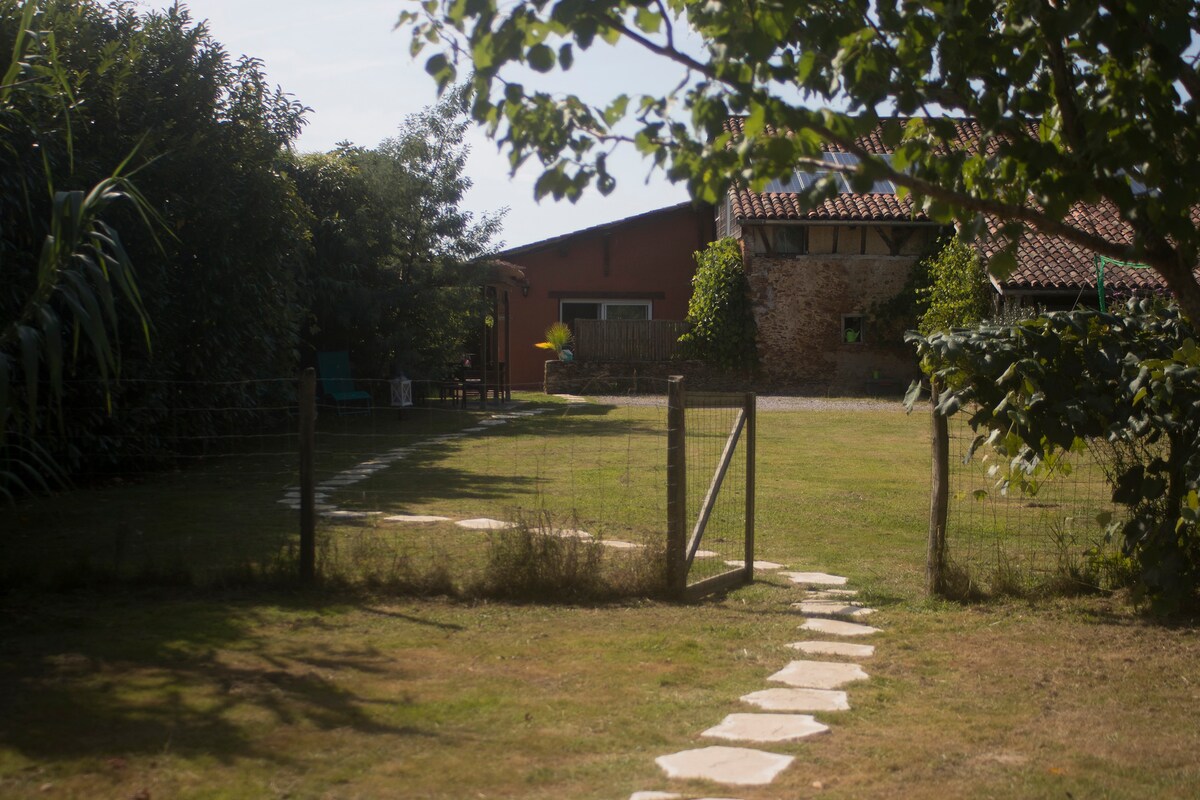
[(721, 314)]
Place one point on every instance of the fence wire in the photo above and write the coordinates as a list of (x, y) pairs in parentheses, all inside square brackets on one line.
[(1010, 542), (724, 542), (212, 493)]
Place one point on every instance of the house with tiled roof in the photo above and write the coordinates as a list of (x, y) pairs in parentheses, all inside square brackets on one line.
[(1056, 274), (816, 273)]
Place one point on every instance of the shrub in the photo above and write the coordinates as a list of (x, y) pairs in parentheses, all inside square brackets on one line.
[(723, 331)]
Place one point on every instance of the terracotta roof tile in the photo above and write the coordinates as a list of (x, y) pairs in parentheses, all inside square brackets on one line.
[(1050, 262), (1044, 261)]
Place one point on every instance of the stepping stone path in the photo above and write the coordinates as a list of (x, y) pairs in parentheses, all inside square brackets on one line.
[(813, 688), (767, 565), (832, 608), (766, 728), (365, 469), (733, 765), (483, 524), (834, 649), (798, 700)]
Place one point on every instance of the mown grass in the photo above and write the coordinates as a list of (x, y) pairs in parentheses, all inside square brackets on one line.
[(254, 691)]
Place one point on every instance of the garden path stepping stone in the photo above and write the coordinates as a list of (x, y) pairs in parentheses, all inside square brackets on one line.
[(415, 518), (483, 524), (766, 728), (568, 534), (619, 545), (655, 796), (757, 564), (815, 579), (339, 514), (490, 422), (738, 766), (706, 554), (798, 700), (837, 627), (834, 649), (831, 594), (832, 608), (474, 430), (819, 674)]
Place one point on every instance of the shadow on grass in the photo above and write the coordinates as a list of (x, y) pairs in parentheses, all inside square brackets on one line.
[(95, 676)]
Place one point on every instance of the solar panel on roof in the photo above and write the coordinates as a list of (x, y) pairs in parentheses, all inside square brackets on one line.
[(802, 179)]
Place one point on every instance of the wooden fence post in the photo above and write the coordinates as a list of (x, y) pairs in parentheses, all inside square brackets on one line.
[(751, 433), (676, 488), (939, 496), (308, 526)]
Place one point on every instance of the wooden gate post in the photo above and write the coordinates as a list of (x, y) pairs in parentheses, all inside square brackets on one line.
[(939, 496), (750, 433), (676, 488), (308, 526)]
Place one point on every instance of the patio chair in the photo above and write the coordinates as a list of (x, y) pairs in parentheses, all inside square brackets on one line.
[(338, 386)]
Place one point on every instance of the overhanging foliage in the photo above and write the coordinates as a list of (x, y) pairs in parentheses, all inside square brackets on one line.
[(1038, 387)]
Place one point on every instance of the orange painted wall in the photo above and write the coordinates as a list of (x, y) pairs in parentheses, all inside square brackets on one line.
[(644, 257)]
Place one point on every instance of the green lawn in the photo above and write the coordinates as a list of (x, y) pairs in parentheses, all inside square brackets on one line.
[(238, 689)]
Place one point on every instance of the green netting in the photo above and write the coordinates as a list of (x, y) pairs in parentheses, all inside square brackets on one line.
[(1099, 261)]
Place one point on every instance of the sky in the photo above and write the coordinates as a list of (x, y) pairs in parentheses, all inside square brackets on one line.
[(345, 61)]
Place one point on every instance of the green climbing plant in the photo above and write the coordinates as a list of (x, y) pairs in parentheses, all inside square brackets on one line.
[(723, 331)]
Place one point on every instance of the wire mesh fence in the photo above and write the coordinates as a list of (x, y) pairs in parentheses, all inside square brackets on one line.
[(415, 495), (1049, 536), (709, 435)]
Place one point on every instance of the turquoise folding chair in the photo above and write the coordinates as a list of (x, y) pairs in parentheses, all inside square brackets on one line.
[(338, 386)]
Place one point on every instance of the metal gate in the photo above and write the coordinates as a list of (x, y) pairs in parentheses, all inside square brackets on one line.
[(710, 490)]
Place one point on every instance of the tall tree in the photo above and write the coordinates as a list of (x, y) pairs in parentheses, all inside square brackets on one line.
[(393, 275), (207, 140), (1075, 101)]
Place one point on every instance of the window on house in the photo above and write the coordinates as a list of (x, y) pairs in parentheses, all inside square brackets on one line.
[(790, 239), (854, 328), (571, 310)]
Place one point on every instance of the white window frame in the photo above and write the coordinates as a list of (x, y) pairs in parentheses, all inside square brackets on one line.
[(604, 304)]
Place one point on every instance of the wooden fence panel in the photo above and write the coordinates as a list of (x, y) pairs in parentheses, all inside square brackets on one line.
[(628, 340)]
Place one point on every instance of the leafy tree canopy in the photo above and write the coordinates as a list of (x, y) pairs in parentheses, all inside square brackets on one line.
[(1075, 101), (390, 275)]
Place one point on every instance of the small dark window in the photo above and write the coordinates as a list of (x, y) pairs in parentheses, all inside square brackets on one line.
[(854, 328), (791, 240)]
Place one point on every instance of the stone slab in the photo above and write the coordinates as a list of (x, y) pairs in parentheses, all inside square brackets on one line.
[(798, 700), (476, 429), (815, 648), (737, 766), (568, 534), (655, 796), (617, 544), (706, 554), (757, 564), (832, 608), (815, 579), (831, 594), (837, 627), (483, 524), (415, 518), (493, 422), (340, 514), (766, 728), (819, 674)]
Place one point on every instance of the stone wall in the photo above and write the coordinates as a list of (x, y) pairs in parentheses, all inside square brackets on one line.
[(800, 303)]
